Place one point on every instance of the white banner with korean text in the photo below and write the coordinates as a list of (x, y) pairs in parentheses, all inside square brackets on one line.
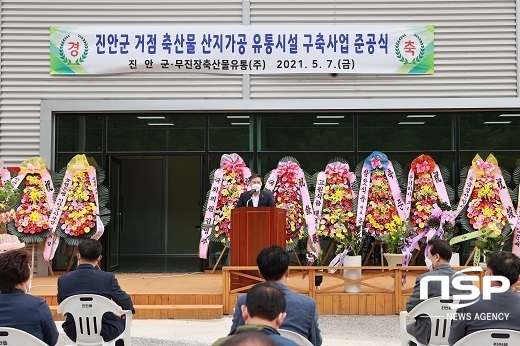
[(241, 49)]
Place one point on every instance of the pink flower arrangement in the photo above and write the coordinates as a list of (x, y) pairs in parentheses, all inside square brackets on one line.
[(337, 218), (10, 242), (381, 208), (32, 216), (7, 216), (287, 195), (424, 194), (233, 184), (79, 213), (485, 207)]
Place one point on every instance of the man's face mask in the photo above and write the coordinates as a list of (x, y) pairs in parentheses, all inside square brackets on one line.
[(28, 287), (429, 263), (256, 186)]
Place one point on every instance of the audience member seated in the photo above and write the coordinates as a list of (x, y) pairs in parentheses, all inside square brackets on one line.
[(263, 312), (250, 339), (302, 315), (437, 261), (502, 311), (17, 308), (86, 279)]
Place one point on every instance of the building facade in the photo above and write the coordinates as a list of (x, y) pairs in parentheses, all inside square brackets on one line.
[(158, 176)]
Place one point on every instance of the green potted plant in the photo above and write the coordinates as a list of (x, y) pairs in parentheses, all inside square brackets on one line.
[(394, 238), (493, 241), (8, 197), (350, 242)]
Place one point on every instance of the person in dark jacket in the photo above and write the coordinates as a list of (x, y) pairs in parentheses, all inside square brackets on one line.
[(437, 261), (251, 338), (302, 315), (502, 311), (256, 197), (86, 279), (17, 308), (264, 313)]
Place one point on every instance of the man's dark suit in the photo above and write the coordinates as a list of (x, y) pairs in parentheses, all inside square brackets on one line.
[(28, 313), (265, 199), (302, 315), (505, 303), (421, 327), (88, 280)]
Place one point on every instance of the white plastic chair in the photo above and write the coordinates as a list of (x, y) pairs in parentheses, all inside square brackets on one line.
[(436, 309), (490, 337), (297, 338), (12, 336), (88, 310)]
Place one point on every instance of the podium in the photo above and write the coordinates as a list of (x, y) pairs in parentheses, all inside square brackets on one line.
[(252, 230)]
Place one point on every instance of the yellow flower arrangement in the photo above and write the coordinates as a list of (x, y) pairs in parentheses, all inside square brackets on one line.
[(395, 235)]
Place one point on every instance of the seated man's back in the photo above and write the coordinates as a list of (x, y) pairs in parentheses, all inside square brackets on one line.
[(501, 311), (86, 279), (302, 316), (263, 312), (439, 255)]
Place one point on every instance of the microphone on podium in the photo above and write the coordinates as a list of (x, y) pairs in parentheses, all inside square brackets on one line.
[(253, 190)]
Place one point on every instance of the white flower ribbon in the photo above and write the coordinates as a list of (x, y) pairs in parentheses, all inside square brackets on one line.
[(466, 193), (271, 181), (338, 260), (100, 228), (318, 195), (5, 176), (209, 214), (52, 242), (307, 210), (516, 232), (396, 191), (363, 196)]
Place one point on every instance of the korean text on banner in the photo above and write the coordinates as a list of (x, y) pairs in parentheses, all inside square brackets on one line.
[(238, 49)]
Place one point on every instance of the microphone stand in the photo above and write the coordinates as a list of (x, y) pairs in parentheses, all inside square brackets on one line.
[(250, 198)]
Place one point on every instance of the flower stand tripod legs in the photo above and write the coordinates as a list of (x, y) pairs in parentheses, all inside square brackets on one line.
[(219, 259), (48, 263), (297, 257), (421, 248), (371, 252)]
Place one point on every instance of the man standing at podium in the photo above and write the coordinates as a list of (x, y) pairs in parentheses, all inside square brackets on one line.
[(256, 197)]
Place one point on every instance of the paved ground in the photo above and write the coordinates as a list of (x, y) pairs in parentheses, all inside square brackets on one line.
[(336, 331)]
